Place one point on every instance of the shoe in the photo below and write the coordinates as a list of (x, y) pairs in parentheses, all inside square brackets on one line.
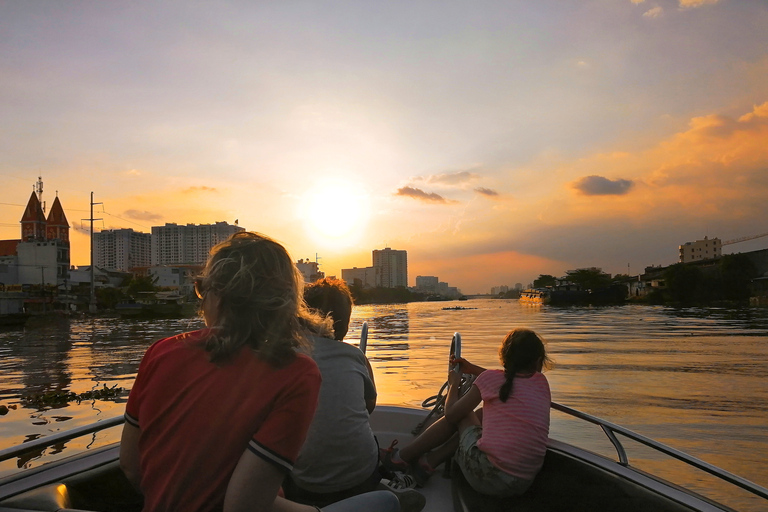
[(421, 471), (410, 499), (385, 456), (402, 481)]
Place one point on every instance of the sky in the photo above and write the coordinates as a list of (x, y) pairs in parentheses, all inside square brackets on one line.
[(492, 140)]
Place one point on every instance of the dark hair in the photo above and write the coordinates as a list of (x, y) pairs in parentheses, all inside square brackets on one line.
[(259, 300), (521, 351), (331, 297)]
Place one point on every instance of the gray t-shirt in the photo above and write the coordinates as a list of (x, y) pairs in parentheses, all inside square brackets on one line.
[(340, 451)]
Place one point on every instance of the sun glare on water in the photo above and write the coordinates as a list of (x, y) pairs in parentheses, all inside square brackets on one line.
[(336, 212)]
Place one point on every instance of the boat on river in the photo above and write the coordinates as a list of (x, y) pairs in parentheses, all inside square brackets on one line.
[(573, 478), (153, 305)]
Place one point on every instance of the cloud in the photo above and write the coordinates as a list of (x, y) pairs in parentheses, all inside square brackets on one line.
[(449, 179), (689, 4), (487, 192), (194, 190), (637, 1), (145, 215), (599, 186), (134, 172), (418, 194), (654, 12)]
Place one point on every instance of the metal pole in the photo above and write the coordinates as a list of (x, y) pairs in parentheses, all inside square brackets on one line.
[(92, 304)]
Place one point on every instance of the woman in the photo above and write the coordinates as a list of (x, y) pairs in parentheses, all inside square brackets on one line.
[(216, 417)]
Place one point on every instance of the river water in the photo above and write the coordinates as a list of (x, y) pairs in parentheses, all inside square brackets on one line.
[(692, 378)]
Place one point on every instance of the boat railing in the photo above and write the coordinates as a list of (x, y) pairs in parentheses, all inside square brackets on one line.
[(45, 442), (611, 429)]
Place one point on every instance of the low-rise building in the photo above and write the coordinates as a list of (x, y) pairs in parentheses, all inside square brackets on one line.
[(707, 249)]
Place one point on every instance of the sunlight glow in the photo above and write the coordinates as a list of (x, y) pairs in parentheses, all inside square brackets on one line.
[(336, 212)]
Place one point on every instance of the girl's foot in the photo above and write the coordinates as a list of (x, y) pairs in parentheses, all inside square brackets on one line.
[(390, 459), (421, 471)]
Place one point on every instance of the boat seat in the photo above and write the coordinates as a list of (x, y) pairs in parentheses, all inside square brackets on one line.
[(564, 483), (49, 498)]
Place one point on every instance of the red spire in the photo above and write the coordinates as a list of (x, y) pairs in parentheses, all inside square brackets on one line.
[(33, 221), (58, 227)]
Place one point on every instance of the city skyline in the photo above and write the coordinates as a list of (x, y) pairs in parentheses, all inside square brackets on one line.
[(493, 142)]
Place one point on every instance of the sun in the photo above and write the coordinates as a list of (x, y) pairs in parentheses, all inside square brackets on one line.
[(336, 211)]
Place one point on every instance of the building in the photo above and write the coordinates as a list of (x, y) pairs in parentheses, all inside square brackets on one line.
[(362, 277), (499, 290), (310, 270), (707, 249), (175, 244), (122, 249), (427, 284), (42, 253), (390, 268)]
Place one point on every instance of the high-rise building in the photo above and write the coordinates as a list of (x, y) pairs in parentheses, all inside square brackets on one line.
[(427, 284), (175, 244), (390, 268), (122, 249)]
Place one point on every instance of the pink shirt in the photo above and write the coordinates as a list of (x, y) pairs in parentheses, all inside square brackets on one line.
[(515, 432)]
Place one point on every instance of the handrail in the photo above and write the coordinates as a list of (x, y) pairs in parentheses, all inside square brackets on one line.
[(364, 337), (668, 450), (45, 442)]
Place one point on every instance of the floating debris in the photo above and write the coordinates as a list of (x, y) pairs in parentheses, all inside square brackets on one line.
[(53, 398)]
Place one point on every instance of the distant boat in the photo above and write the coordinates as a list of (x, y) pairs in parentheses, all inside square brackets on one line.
[(456, 308), (153, 305), (535, 296), (12, 313)]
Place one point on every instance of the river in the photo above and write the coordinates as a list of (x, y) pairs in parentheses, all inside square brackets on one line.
[(691, 378)]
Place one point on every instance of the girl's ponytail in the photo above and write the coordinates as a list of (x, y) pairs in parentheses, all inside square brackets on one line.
[(506, 388)]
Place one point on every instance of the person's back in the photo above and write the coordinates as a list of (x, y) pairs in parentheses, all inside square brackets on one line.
[(515, 432), (340, 456), (340, 451), (195, 429)]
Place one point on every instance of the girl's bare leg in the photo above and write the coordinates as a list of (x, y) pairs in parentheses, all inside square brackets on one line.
[(437, 433)]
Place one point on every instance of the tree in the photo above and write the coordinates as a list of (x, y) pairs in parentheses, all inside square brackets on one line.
[(685, 283), (736, 274), (589, 278), (544, 280), (141, 284)]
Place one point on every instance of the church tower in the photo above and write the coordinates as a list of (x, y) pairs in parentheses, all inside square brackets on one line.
[(57, 226), (33, 221)]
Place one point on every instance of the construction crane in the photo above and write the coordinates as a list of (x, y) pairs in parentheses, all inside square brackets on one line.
[(744, 239)]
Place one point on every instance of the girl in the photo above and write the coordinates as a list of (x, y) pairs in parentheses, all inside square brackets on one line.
[(501, 456)]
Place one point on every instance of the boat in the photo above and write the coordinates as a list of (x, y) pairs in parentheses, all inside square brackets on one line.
[(152, 305), (12, 312), (456, 308), (573, 478), (534, 296)]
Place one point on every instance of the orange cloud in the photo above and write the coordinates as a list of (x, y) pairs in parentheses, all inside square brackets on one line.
[(420, 195)]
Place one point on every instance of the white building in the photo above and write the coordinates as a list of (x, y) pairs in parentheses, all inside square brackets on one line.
[(707, 249), (175, 244), (122, 249), (390, 268), (365, 276), (310, 270)]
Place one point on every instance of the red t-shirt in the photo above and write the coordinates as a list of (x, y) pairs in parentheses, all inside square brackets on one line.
[(198, 418)]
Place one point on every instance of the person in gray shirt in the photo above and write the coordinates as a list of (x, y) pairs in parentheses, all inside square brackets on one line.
[(340, 456)]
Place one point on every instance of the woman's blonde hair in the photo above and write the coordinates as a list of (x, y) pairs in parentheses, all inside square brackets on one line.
[(259, 300)]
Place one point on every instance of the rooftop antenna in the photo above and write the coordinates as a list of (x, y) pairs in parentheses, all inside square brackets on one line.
[(39, 191)]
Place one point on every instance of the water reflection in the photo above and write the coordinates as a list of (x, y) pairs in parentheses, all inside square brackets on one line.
[(692, 378)]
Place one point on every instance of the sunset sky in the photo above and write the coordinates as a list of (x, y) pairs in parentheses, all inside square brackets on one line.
[(492, 140)]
